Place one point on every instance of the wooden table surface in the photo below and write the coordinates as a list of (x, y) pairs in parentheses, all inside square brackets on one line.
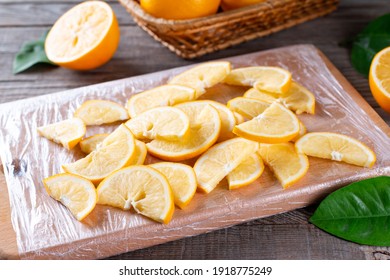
[(284, 236)]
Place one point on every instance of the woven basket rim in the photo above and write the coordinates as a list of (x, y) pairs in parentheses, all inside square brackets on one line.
[(226, 15)]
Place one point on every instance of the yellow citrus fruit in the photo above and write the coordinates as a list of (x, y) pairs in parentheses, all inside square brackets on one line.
[(203, 76), (68, 133), (205, 125), (140, 153), (76, 193), (182, 180), (276, 124), (89, 144), (302, 131), (220, 160), (178, 9), (287, 165), (97, 112), (273, 79), (297, 98), (336, 147), (239, 118), (166, 95), (379, 78), (235, 4), (167, 123), (140, 187), (246, 172), (115, 152), (85, 37), (248, 107)]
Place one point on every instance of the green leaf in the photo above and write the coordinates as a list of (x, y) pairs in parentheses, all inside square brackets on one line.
[(359, 212), (374, 38), (31, 54)]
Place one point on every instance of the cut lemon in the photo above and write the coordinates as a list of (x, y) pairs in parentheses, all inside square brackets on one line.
[(379, 78), (336, 147), (115, 152), (205, 125), (141, 187), (276, 124), (302, 131), (97, 112), (246, 172), (182, 180), (273, 79), (248, 107), (220, 160), (287, 165), (68, 133), (75, 192), (297, 98), (140, 153), (239, 118), (228, 121), (85, 37), (160, 123), (89, 144), (167, 95), (203, 76)]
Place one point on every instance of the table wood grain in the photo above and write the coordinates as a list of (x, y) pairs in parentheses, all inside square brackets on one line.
[(284, 236)]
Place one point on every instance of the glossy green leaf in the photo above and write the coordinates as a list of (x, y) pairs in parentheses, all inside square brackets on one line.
[(374, 38), (31, 54), (359, 212)]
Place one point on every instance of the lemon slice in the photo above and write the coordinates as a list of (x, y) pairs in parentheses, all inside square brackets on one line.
[(205, 125), (160, 123), (141, 187), (239, 118), (68, 133), (287, 165), (182, 180), (115, 152), (167, 95), (276, 124), (248, 107), (89, 144), (336, 147), (297, 98), (302, 131), (246, 172), (203, 76), (75, 192), (97, 112), (220, 160), (85, 37), (379, 77), (228, 121), (273, 79)]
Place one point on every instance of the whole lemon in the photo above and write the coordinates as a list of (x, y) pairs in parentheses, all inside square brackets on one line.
[(179, 9)]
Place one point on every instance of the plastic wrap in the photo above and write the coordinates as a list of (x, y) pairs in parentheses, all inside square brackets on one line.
[(45, 229)]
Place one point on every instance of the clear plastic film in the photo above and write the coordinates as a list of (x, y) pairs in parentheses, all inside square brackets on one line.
[(46, 229)]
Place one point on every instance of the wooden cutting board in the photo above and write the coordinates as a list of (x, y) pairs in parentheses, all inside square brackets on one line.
[(190, 223)]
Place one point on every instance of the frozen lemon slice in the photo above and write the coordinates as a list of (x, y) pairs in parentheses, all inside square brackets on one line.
[(276, 124), (302, 131), (287, 165), (336, 147), (203, 76), (248, 107), (89, 144), (220, 160), (141, 187), (162, 122), (239, 118), (115, 152), (182, 180), (297, 98), (205, 125), (68, 133), (97, 112), (75, 192), (246, 172), (273, 79), (167, 95)]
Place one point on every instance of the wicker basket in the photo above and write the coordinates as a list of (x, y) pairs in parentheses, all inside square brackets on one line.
[(196, 37)]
